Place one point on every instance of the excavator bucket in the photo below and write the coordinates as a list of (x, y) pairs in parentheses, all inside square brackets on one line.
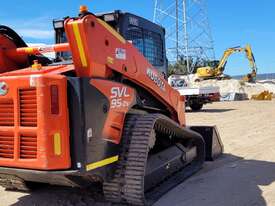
[(213, 143), (265, 95)]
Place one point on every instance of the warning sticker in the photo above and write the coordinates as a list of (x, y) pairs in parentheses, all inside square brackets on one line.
[(33, 80), (120, 53)]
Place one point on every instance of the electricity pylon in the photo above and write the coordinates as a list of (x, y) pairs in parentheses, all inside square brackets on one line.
[(188, 34)]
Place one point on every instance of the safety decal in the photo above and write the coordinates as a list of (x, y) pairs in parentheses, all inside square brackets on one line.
[(121, 53), (3, 88)]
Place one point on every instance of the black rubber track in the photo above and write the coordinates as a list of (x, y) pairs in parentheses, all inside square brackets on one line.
[(127, 187)]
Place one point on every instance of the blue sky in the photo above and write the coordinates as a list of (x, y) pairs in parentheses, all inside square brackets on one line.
[(233, 23)]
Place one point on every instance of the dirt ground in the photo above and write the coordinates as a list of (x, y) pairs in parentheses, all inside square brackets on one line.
[(244, 176)]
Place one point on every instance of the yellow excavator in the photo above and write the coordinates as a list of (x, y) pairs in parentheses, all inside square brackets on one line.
[(216, 72)]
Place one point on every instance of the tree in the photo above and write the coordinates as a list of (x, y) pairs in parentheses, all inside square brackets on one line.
[(180, 67)]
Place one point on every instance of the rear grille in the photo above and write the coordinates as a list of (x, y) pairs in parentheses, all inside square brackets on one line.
[(6, 146), (27, 117), (28, 147), (28, 107), (6, 113)]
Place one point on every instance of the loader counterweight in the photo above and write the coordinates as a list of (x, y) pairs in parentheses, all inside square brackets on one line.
[(31, 135)]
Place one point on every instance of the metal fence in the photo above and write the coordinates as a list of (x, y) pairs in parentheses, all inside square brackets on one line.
[(267, 76)]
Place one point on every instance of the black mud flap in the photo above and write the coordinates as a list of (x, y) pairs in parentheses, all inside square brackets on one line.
[(213, 143)]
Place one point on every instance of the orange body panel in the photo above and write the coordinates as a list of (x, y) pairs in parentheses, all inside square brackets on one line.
[(44, 70), (121, 98), (28, 127), (96, 49)]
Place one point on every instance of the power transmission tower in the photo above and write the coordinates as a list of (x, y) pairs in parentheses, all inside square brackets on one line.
[(188, 34)]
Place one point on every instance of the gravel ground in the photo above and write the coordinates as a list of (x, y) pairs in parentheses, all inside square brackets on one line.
[(244, 176)]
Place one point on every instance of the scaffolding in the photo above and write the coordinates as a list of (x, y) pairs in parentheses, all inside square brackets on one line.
[(188, 34)]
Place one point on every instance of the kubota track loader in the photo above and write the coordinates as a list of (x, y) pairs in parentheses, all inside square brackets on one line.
[(101, 112)]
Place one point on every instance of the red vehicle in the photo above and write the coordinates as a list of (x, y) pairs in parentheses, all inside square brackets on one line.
[(100, 113)]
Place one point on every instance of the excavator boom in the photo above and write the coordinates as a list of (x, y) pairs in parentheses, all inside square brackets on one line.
[(220, 68), (218, 71)]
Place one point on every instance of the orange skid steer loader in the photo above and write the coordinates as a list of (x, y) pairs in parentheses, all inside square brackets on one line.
[(101, 111)]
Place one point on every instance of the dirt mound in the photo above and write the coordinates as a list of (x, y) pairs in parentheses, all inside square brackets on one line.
[(236, 86)]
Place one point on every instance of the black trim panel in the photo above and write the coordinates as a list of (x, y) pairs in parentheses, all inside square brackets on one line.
[(88, 112)]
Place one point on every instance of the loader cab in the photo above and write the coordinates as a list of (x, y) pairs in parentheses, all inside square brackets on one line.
[(147, 37)]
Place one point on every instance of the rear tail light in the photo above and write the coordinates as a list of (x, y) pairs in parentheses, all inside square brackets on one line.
[(54, 99)]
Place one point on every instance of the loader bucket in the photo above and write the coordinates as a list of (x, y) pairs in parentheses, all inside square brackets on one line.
[(213, 143)]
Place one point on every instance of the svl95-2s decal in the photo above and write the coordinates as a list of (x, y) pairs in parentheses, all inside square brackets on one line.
[(117, 95)]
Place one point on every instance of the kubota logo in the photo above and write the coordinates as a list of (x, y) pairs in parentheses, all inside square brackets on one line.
[(3, 88), (155, 78)]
